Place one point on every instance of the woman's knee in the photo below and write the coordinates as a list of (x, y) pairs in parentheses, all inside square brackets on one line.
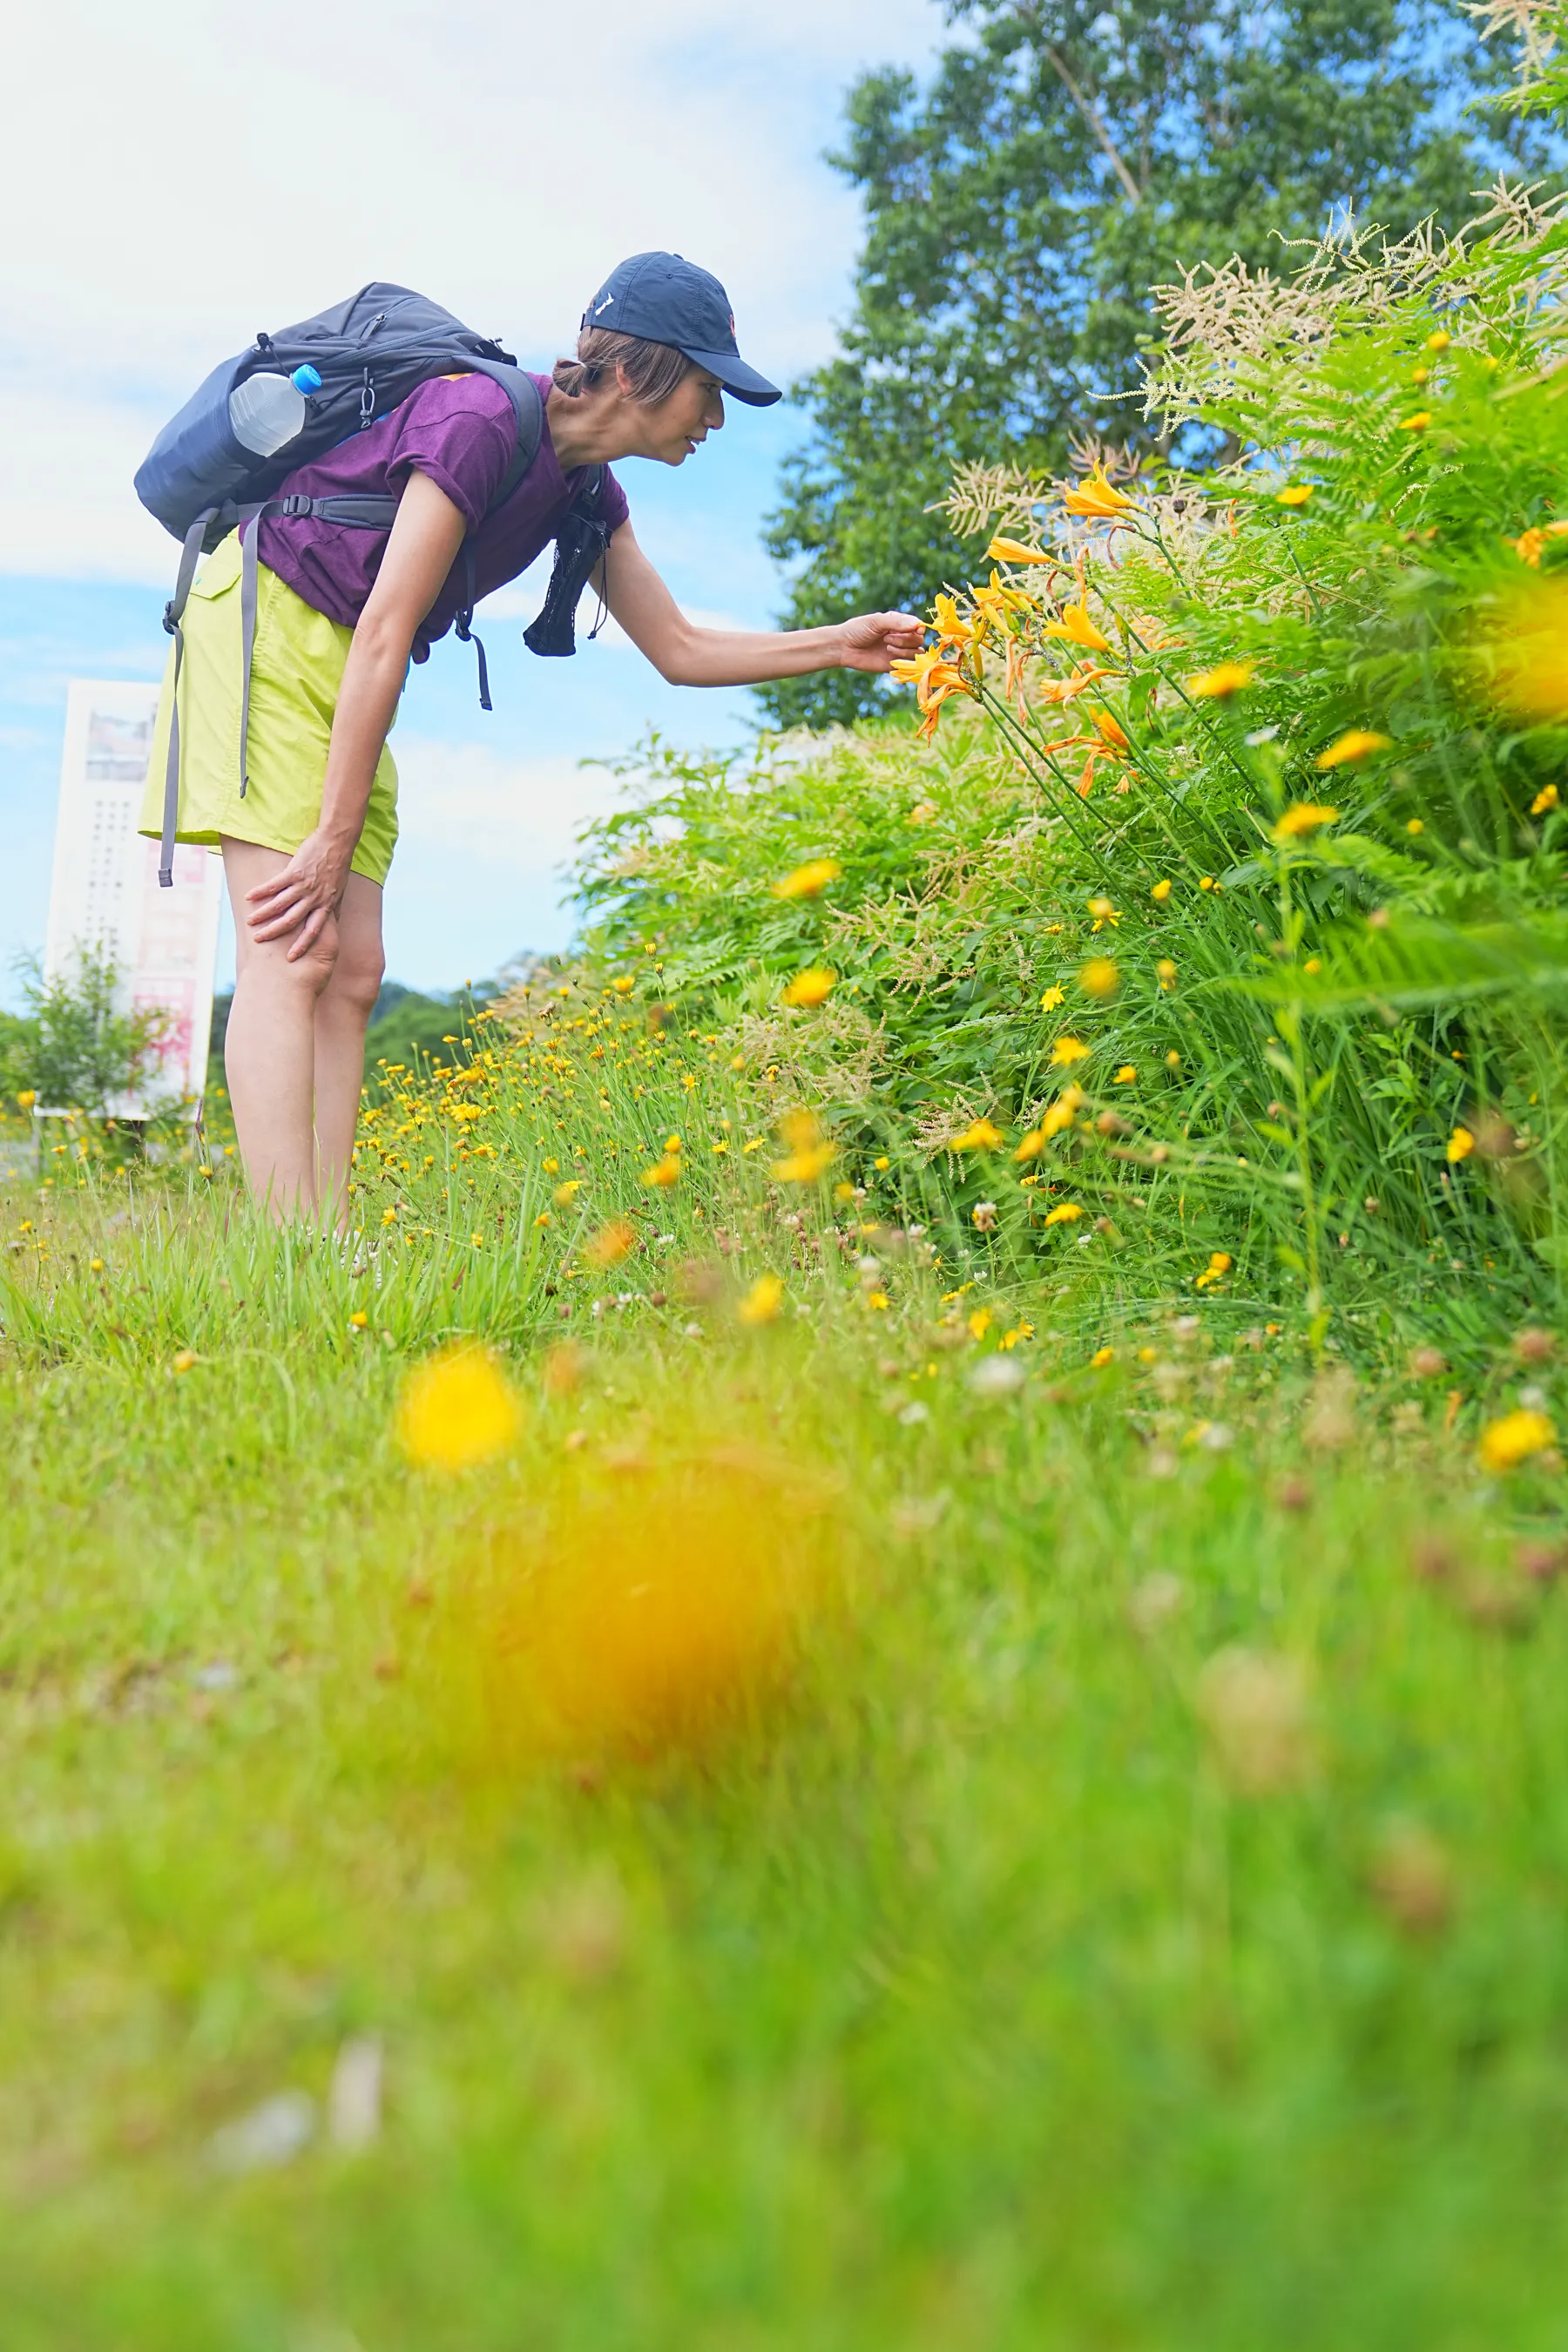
[(267, 967), (357, 975)]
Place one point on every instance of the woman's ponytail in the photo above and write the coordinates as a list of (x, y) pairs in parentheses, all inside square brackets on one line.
[(653, 369)]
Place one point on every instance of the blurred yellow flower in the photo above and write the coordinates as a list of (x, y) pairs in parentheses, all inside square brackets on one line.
[(1545, 799), (663, 1172), (1165, 971), (623, 987), (389, 1216), (26, 1099), (1218, 1269), (1066, 1214), (359, 1319), (804, 1165), (763, 1301), (1076, 627), (1302, 817), (814, 986), (1225, 678), (456, 1410), (979, 1135), (1103, 912), (1160, 892), (1101, 1357), (1052, 998), (881, 1163), (1207, 882), (1032, 1144), (1095, 499), (1507, 1443), (1417, 422), (1460, 1145), (95, 1265), (1061, 1113), (1296, 495), (542, 1219), (185, 1361), (567, 1193), (1127, 1075), (843, 1193), (1013, 550), (922, 813), (551, 1167), (1100, 978), (1439, 340), (1356, 744), (611, 1244), (808, 881), (1067, 1050)]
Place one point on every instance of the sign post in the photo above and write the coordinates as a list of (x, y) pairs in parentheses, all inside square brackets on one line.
[(104, 897)]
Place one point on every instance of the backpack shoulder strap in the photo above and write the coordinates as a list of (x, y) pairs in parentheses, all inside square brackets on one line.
[(524, 396)]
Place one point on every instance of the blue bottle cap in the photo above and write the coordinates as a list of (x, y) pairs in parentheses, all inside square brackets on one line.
[(305, 379)]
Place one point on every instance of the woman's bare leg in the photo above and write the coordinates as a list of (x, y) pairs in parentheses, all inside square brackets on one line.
[(270, 1053), (342, 1015)]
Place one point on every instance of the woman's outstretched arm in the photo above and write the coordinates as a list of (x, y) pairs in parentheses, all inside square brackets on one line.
[(689, 656)]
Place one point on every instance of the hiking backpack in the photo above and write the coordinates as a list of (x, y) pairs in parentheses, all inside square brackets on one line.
[(370, 354)]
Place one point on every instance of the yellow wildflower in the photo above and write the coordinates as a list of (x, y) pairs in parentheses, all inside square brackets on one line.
[(1032, 1144), (95, 1265), (1095, 499), (1460, 1145), (1052, 998), (1066, 1214), (551, 1167), (980, 1322), (921, 814), (1295, 495), (1101, 1357), (26, 1099), (663, 1173), (1160, 892), (808, 881), (623, 987), (185, 1361), (1100, 977), (1301, 818), (1417, 422), (812, 987), (1439, 340), (1062, 1112), (979, 1135), (1225, 678), (1076, 627), (611, 1244), (1067, 1050), (1218, 1267), (1357, 743), (1165, 971), (1127, 1074), (1013, 550), (763, 1301), (804, 1165), (1103, 912), (1545, 799), (567, 1193), (456, 1410), (542, 1219), (1507, 1443)]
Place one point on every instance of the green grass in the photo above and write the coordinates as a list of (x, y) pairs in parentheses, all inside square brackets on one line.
[(969, 1994)]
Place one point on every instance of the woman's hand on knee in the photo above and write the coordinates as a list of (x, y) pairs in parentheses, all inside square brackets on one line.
[(302, 897)]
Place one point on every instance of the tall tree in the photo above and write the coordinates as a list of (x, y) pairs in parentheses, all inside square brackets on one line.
[(1066, 156)]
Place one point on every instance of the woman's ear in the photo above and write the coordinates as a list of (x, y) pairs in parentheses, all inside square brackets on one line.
[(623, 381)]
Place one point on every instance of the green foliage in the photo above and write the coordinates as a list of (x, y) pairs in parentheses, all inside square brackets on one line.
[(78, 1048), (1063, 161), (1320, 975)]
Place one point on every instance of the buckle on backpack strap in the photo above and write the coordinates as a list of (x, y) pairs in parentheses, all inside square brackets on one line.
[(170, 626), (296, 504)]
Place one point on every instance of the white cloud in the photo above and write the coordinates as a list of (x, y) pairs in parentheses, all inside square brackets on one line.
[(174, 177)]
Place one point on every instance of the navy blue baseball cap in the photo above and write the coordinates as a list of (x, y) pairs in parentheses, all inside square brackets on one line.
[(667, 300)]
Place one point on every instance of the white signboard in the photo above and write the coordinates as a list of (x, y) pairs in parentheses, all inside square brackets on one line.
[(105, 893)]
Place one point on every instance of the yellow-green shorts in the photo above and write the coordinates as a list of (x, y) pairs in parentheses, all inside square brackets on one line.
[(295, 676)]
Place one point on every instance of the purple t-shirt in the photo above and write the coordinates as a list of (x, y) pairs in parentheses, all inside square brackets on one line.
[(460, 431)]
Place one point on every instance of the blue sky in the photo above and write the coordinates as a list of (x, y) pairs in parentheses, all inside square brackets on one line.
[(701, 129)]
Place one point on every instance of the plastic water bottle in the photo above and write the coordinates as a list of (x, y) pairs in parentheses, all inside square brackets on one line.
[(265, 412)]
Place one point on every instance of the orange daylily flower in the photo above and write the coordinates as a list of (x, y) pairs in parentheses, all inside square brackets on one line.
[(1013, 550), (1095, 499), (1075, 625)]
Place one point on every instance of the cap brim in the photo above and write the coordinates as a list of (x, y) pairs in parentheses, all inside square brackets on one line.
[(736, 377)]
